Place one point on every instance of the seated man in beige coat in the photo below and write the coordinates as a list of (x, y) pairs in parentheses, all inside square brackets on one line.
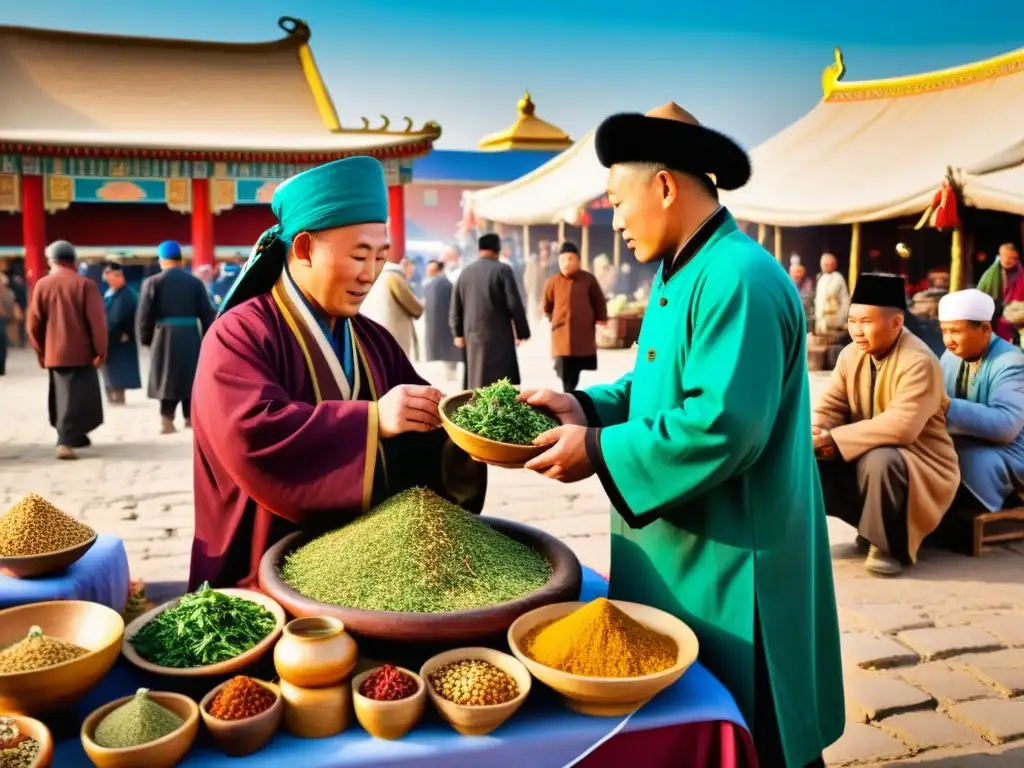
[(886, 461)]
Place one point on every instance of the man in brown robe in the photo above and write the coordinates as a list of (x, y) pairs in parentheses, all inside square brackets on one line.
[(886, 460), (574, 303), (67, 326)]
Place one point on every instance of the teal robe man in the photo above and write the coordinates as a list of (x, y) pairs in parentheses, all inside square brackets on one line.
[(705, 452)]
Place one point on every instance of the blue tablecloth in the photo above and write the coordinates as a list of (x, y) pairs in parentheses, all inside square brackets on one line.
[(543, 734), (101, 576)]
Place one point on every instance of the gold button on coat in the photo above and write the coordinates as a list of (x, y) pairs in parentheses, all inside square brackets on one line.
[(650, 355), (662, 301)]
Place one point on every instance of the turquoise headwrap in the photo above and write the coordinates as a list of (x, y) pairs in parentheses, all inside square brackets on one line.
[(339, 194)]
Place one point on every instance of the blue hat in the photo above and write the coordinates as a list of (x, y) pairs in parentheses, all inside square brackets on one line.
[(169, 250), (338, 194), (229, 270)]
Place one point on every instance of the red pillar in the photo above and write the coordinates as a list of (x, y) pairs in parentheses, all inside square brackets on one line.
[(33, 227), (396, 222), (202, 224)]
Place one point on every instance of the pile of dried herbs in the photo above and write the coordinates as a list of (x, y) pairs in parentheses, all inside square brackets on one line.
[(494, 413), (419, 553), (205, 627)]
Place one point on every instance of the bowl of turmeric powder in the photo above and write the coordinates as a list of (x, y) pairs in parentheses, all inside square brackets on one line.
[(606, 657)]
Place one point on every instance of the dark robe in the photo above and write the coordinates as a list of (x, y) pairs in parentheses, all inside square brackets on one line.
[(174, 313), (440, 343), (487, 311), (76, 407), (273, 456), (121, 368)]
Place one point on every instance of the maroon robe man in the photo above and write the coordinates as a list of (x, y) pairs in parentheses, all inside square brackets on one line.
[(306, 413)]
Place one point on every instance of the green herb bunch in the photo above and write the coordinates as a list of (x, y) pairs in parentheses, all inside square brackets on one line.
[(205, 627), (494, 413)]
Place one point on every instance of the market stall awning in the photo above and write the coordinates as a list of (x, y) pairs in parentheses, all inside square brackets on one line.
[(869, 150), (998, 191), (553, 192)]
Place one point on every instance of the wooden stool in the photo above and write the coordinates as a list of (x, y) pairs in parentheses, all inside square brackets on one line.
[(997, 527)]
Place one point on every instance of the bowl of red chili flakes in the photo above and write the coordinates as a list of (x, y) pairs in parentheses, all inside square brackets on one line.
[(388, 700)]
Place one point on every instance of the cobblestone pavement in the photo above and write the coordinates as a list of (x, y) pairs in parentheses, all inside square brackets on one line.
[(934, 660)]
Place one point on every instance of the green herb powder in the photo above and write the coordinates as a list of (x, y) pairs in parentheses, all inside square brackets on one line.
[(494, 413), (419, 553), (205, 627), (137, 722)]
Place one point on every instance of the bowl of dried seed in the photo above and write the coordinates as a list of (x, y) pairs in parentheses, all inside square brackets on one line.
[(145, 730), (52, 654), (24, 743), (476, 689), (37, 539)]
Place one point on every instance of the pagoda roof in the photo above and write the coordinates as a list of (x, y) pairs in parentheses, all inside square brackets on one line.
[(71, 90), (527, 132)]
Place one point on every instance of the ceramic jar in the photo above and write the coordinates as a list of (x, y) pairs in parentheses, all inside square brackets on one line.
[(316, 713), (315, 653)]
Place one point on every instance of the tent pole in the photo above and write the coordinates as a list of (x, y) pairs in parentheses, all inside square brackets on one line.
[(778, 244), (526, 242), (616, 250), (956, 267), (585, 246), (762, 234), (854, 254), (561, 233)]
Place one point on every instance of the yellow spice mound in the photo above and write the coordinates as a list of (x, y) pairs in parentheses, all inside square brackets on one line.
[(34, 526), (600, 640)]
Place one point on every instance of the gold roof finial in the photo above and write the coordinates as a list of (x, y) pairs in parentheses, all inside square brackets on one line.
[(528, 132), (526, 106)]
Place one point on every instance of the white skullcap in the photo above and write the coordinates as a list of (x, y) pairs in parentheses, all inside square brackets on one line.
[(969, 304)]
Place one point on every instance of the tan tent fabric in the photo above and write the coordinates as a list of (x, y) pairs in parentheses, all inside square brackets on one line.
[(998, 191), (869, 150), (546, 195)]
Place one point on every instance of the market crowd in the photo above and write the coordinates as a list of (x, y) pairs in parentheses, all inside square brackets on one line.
[(709, 445)]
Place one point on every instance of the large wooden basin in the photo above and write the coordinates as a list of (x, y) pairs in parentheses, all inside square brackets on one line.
[(453, 627)]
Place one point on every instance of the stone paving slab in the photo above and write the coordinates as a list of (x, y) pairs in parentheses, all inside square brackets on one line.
[(1008, 627), (998, 720), (879, 695), (869, 651), (1007, 681), (864, 744), (887, 619), (945, 684), (930, 730), (943, 642)]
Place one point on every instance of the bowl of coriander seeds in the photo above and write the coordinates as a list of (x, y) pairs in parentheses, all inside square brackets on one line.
[(37, 539), (476, 689)]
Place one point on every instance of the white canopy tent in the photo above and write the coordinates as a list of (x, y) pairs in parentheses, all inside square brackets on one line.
[(998, 191), (868, 151)]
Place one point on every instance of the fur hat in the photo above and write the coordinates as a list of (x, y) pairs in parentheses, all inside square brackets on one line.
[(671, 136)]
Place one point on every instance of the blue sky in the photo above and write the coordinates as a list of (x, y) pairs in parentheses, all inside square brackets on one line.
[(747, 68)]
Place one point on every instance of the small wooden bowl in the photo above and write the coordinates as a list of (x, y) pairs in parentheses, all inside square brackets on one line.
[(506, 455), (607, 696), (162, 753), (36, 730), (229, 667), (237, 738), (389, 719), (91, 626), (477, 721), (452, 628), (34, 566)]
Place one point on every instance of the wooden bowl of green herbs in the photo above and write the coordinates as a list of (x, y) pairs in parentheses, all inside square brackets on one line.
[(207, 633), (493, 427)]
